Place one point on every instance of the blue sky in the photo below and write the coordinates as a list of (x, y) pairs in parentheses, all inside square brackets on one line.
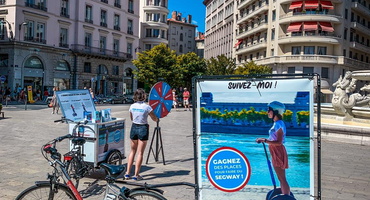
[(195, 8)]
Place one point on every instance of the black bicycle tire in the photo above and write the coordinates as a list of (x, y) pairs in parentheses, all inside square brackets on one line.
[(72, 171), (110, 158), (45, 187), (145, 195)]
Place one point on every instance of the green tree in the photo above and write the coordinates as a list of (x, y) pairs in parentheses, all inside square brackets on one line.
[(187, 66), (252, 68), (156, 64), (221, 65)]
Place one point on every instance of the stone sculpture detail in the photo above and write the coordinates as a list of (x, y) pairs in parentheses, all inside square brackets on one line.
[(345, 98)]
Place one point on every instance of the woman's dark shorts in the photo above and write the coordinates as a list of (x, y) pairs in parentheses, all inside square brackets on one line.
[(139, 131)]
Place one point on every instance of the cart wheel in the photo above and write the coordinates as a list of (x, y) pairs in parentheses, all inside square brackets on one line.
[(272, 193), (114, 158)]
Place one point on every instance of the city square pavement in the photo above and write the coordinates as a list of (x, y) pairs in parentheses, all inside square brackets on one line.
[(345, 170)]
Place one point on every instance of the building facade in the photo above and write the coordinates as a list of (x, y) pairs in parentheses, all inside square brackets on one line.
[(69, 44), (181, 36), (153, 23), (199, 45), (316, 36)]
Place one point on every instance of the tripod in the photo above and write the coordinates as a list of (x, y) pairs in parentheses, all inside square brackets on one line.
[(158, 144)]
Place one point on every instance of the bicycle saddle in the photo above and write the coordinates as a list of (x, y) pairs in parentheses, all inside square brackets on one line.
[(113, 170), (78, 141)]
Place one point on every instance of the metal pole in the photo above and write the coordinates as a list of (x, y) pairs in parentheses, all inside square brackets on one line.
[(25, 102)]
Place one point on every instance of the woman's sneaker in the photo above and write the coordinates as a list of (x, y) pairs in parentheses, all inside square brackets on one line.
[(127, 177), (137, 178)]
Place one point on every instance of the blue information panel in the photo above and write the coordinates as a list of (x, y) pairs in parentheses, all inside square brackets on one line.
[(228, 169)]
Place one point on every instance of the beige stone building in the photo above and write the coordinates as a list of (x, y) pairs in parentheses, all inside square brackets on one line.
[(181, 36), (69, 44), (292, 36), (153, 23)]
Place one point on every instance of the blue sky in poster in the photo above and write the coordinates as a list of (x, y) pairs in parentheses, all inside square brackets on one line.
[(285, 97)]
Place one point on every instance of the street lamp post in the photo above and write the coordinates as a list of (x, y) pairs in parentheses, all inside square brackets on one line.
[(19, 28), (10, 28)]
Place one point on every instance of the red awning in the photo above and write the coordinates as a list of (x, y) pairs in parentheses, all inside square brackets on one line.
[(310, 26), (294, 27), (326, 5), (311, 4), (238, 43), (326, 26), (296, 4)]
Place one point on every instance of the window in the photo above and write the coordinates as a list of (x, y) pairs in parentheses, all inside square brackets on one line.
[(309, 50), (148, 33), (62, 66), (64, 8), (345, 34), (116, 22), (155, 32), (88, 40), (350, 54), (102, 69), (2, 30), (344, 52), (4, 59), (156, 17), (296, 50), (307, 70), (102, 44), (129, 48), (291, 70), (131, 6), (181, 37), (321, 50), (40, 33), (117, 3), (272, 34), (34, 62), (173, 31), (115, 70), (115, 46), (63, 39), (148, 47), (273, 15), (130, 27), (88, 14), (346, 13), (180, 48), (324, 72), (189, 44), (103, 18), (87, 67), (163, 34)]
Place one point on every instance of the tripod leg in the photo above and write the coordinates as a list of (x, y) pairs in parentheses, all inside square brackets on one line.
[(161, 148), (151, 147)]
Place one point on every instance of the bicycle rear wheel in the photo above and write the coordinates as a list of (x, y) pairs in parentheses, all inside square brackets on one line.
[(73, 166), (43, 192), (145, 195)]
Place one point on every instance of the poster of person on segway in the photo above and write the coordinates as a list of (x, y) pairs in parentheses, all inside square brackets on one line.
[(253, 140)]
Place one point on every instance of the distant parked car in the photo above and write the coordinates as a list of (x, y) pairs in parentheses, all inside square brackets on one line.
[(119, 99)]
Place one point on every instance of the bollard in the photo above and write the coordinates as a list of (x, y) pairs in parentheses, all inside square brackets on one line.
[(6, 101), (25, 102)]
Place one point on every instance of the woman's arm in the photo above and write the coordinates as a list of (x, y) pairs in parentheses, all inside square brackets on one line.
[(154, 118), (279, 140)]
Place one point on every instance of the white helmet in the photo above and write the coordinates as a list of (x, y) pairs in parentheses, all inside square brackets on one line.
[(277, 107)]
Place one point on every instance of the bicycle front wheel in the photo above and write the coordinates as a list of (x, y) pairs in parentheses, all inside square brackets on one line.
[(44, 192), (145, 195)]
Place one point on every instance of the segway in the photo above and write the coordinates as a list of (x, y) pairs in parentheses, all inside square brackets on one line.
[(275, 194)]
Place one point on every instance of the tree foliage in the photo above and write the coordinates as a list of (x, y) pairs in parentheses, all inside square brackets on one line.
[(221, 65), (155, 65), (188, 66), (252, 68)]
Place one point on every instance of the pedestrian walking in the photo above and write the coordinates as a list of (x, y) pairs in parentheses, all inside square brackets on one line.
[(185, 96), (54, 101)]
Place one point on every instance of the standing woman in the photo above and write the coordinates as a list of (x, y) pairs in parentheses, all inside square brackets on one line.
[(276, 141), (54, 100), (139, 112)]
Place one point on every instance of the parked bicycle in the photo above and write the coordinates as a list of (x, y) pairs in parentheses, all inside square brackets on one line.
[(54, 189)]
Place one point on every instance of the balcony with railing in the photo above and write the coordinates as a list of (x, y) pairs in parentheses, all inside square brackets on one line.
[(63, 13), (251, 46), (117, 28), (359, 7), (87, 20), (130, 11), (104, 1), (93, 51), (38, 6), (103, 24), (130, 32), (312, 16), (360, 27), (245, 16), (34, 39), (301, 37), (64, 45), (361, 46), (258, 27), (244, 3)]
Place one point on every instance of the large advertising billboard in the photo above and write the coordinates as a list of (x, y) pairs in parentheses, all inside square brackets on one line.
[(254, 134)]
